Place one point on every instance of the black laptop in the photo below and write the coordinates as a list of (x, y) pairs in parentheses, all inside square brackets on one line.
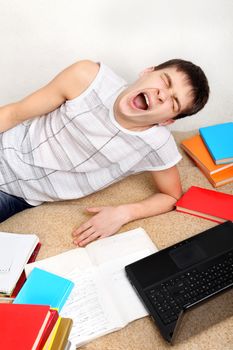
[(174, 281)]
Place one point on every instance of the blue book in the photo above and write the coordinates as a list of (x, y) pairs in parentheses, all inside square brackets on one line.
[(44, 288), (219, 141)]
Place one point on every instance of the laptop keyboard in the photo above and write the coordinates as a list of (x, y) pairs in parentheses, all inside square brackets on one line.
[(171, 296)]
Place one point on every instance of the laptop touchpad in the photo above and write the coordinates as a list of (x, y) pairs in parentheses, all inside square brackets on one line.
[(187, 255)]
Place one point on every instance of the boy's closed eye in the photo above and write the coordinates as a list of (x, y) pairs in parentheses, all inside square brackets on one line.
[(168, 84)]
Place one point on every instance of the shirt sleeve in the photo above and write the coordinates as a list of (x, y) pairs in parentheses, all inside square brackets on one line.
[(164, 157)]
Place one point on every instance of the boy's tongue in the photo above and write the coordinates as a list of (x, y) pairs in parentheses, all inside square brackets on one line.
[(140, 102)]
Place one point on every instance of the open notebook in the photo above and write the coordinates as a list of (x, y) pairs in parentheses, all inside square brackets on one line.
[(15, 251), (102, 300)]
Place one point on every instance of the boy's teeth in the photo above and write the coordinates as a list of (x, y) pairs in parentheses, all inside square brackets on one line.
[(147, 99)]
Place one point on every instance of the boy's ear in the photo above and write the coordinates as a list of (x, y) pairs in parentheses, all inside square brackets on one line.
[(167, 122), (147, 70)]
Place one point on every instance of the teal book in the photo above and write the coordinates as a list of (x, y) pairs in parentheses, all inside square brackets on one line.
[(44, 288), (219, 142)]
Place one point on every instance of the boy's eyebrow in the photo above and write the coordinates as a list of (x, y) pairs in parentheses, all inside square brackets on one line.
[(168, 79), (170, 86)]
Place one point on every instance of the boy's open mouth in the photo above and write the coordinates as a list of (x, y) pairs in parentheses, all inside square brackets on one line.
[(141, 101)]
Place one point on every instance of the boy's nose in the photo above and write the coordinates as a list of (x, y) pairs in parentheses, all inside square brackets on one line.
[(163, 95)]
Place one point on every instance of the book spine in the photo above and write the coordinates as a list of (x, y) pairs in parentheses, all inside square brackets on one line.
[(203, 138), (200, 216), (48, 329), (22, 278), (65, 295)]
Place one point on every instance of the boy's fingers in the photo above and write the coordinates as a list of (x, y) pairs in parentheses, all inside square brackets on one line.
[(94, 209), (84, 235), (81, 228), (85, 240)]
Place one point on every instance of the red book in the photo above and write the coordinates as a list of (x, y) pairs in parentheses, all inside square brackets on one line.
[(48, 328), (22, 325), (22, 278), (207, 204)]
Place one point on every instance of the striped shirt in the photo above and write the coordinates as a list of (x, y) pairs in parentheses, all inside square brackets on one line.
[(79, 148)]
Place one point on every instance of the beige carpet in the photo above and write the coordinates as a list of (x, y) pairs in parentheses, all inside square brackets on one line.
[(54, 222)]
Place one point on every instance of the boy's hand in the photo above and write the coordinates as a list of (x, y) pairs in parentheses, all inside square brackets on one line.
[(105, 222)]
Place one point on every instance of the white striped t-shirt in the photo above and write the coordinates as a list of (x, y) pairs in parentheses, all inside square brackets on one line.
[(79, 148)]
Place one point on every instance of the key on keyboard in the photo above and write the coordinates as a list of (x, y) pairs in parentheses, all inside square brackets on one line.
[(170, 297)]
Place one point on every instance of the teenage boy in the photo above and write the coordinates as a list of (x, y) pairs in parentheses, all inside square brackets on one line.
[(87, 129)]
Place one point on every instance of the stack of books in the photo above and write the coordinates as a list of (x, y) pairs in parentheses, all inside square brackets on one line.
[(33, 327), (212, 152), (49, 290), (33, 320)]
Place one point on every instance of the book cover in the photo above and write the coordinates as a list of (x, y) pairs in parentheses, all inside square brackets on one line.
[(220, 178), (219, 141), (50, 339), (62, 334), (22, 325), (22, 278), (54, 316), (15, 250), (208, 204), (196, 149), (44, 288)]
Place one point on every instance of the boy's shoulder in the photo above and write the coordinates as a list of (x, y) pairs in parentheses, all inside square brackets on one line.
[(78, 77), (86, 75), (85, 70)]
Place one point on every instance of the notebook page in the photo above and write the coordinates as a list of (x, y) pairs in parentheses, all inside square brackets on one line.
[(118, 286), (7, 253), (90, 307), (20, 246), (119, 245), (63, 263)]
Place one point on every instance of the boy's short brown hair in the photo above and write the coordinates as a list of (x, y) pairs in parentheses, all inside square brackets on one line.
[(196, 78)]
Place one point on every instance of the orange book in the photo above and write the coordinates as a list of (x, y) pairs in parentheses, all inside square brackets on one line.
[(221, 178), (196, 149)]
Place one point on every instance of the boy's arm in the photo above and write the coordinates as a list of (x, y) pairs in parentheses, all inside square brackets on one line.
[(108, 220), (68, 84)]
